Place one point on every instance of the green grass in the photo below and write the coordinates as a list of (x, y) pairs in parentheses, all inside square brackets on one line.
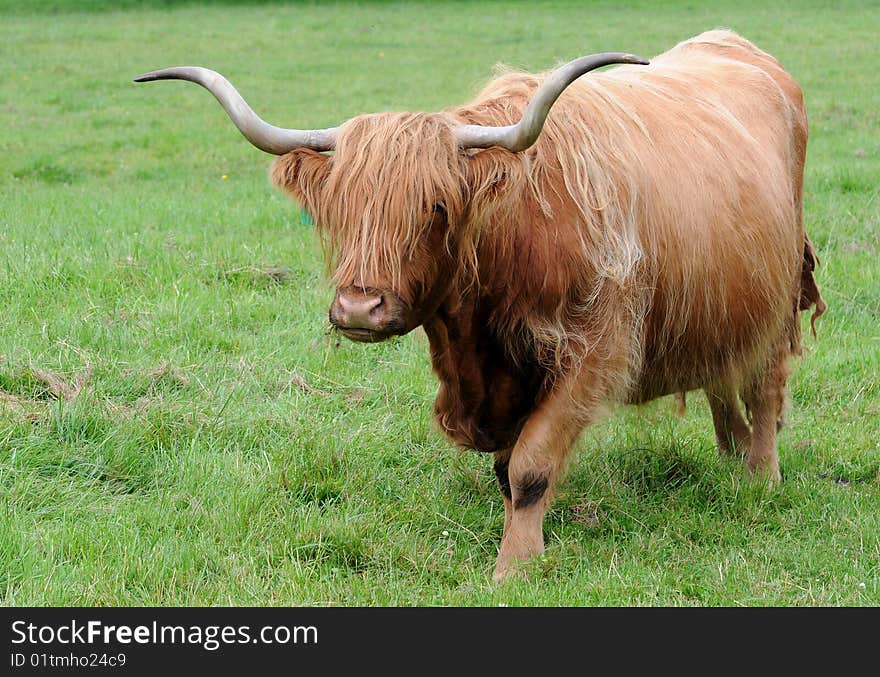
[(177, 427)]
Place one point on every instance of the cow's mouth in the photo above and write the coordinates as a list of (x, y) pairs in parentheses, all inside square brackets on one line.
[(363, 335)]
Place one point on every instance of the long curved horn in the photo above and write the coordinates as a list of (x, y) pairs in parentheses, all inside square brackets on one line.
[(266, 137), (524, 133)]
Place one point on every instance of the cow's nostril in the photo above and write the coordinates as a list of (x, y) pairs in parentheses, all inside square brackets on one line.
[(359, 305), (357, 309), (367, 314)]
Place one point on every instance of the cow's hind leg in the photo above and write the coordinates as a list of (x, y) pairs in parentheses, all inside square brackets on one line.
[(732, 433), (765, 399)]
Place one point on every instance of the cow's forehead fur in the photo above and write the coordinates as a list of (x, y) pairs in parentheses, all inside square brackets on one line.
[(386, 178), (392, 169)]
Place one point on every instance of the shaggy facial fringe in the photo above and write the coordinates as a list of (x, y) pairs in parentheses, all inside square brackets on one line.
[(383, 192)]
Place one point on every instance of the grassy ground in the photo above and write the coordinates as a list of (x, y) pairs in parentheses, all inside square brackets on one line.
[(177, 428)]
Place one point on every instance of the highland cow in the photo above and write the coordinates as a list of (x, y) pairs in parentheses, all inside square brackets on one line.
[(570, 242)]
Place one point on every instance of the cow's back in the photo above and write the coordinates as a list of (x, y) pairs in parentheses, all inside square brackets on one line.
[(702, 153), (721, 219)]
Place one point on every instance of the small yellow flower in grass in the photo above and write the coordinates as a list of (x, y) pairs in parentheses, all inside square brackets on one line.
[(225, 176)]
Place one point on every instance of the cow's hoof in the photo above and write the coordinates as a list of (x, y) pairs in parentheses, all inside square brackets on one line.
[(770, 475), (507, 568), (507, 572)]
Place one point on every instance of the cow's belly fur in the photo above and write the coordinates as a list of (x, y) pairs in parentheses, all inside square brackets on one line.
[(727, 332)]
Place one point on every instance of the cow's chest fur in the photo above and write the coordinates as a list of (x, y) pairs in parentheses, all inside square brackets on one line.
[(485, 393)]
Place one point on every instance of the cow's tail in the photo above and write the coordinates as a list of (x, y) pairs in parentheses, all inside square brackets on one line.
[(809, 293)]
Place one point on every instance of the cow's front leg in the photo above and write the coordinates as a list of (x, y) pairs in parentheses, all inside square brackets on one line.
[(527, 475)]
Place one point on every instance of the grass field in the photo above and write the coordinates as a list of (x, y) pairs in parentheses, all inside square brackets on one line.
[(177, 427)]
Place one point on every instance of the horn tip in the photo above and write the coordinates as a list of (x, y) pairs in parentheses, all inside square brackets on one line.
[(175, 73)]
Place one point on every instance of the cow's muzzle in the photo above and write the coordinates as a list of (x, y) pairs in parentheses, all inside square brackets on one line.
[(368, 315)]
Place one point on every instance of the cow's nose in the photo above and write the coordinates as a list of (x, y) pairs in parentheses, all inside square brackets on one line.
[(356, 308)]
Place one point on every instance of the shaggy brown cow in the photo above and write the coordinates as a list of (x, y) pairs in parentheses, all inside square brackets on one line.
[(644, 239)]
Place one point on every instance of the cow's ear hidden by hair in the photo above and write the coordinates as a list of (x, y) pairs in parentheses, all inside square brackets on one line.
[(491, 172), (302, 173)]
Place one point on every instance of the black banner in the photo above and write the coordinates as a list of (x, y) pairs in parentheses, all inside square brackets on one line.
[(455, 640)]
